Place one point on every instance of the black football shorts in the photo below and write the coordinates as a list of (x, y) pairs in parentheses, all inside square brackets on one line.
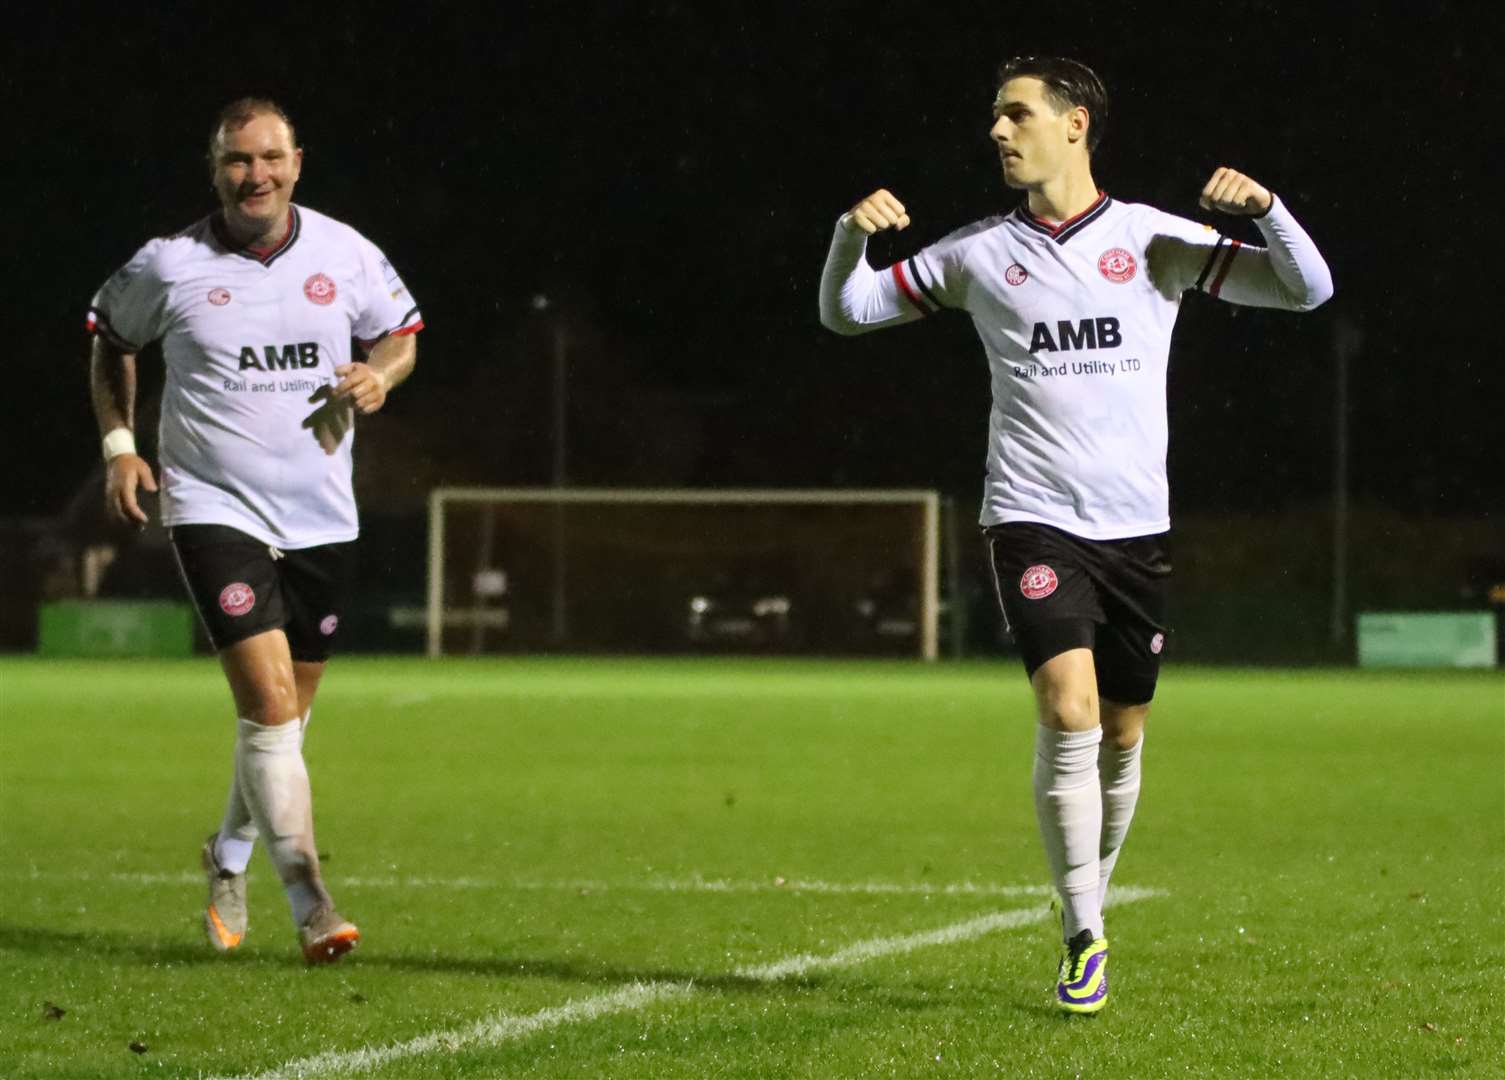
[(1061, 592), (243, 587)]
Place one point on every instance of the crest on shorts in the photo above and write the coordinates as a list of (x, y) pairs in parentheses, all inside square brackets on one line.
[(1038, 582), (219, 297), (328, 624), (1157, 643), (1117, 265), (237, 598), (1016, 275), (319, 289)]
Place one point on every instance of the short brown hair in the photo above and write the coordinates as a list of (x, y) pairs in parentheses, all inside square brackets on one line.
[(241, 112), (1068, 84)]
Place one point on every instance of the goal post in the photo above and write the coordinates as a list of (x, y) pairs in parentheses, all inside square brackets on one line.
[(840, 571)]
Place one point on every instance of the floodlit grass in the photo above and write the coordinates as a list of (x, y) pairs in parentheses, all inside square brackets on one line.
[(519, 836)]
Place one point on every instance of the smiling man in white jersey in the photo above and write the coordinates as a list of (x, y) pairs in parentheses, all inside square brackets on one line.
[(256, 307), (1074, 296)]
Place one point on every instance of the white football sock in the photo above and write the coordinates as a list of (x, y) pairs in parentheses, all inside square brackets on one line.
[(237, 832), (274, 783), (1069, 807), (1118, 777), (232, 853)]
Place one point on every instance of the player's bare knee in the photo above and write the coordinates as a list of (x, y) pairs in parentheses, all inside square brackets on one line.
[(1122, 737), (1066, 692), (270, 703), (1123, 725), (1065, 708)]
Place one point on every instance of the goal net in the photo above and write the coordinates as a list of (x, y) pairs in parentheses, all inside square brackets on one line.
[(842, 572)]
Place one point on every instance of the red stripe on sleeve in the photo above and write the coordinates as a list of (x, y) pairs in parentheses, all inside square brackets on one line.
[(99, 326), (898, 271), (367, 343), (1217, 282)]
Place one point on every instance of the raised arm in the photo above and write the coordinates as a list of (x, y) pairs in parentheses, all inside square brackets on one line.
[(112, 387), (1289, 273), (854, 298)]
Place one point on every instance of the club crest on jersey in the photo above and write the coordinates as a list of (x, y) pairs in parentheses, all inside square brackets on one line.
[(1038, 582), (328, 624), (1157, 643), (237, 598), (1117, 265), (319, 289), (219, 297), (1016, 275)]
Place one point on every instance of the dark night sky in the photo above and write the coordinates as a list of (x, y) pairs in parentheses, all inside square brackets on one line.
[(672, 176)]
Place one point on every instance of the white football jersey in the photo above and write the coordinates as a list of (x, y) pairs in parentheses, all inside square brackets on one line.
[(251, 341), (1076, 320)]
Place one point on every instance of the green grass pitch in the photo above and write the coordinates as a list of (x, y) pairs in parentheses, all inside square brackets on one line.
[(591, 868)]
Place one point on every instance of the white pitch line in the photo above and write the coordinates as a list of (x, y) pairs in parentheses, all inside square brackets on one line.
[(509, 1027), (872, 949), (493, 1031)]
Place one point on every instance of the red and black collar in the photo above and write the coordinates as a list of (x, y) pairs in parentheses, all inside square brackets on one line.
[(1063, 231), (265, 256)]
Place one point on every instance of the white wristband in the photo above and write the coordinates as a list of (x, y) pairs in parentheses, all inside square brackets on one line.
[(119, 441)]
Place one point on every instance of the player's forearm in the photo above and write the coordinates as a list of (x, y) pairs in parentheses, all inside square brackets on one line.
[(852, 300), (112, 386), (393, 358), (1298, 266)]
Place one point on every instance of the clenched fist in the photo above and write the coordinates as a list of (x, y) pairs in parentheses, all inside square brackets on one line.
[(877, 212), (362, 386), (1234, 193)]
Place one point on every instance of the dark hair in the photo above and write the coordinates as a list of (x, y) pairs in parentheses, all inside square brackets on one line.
[(241, 112), (1068, 84)]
